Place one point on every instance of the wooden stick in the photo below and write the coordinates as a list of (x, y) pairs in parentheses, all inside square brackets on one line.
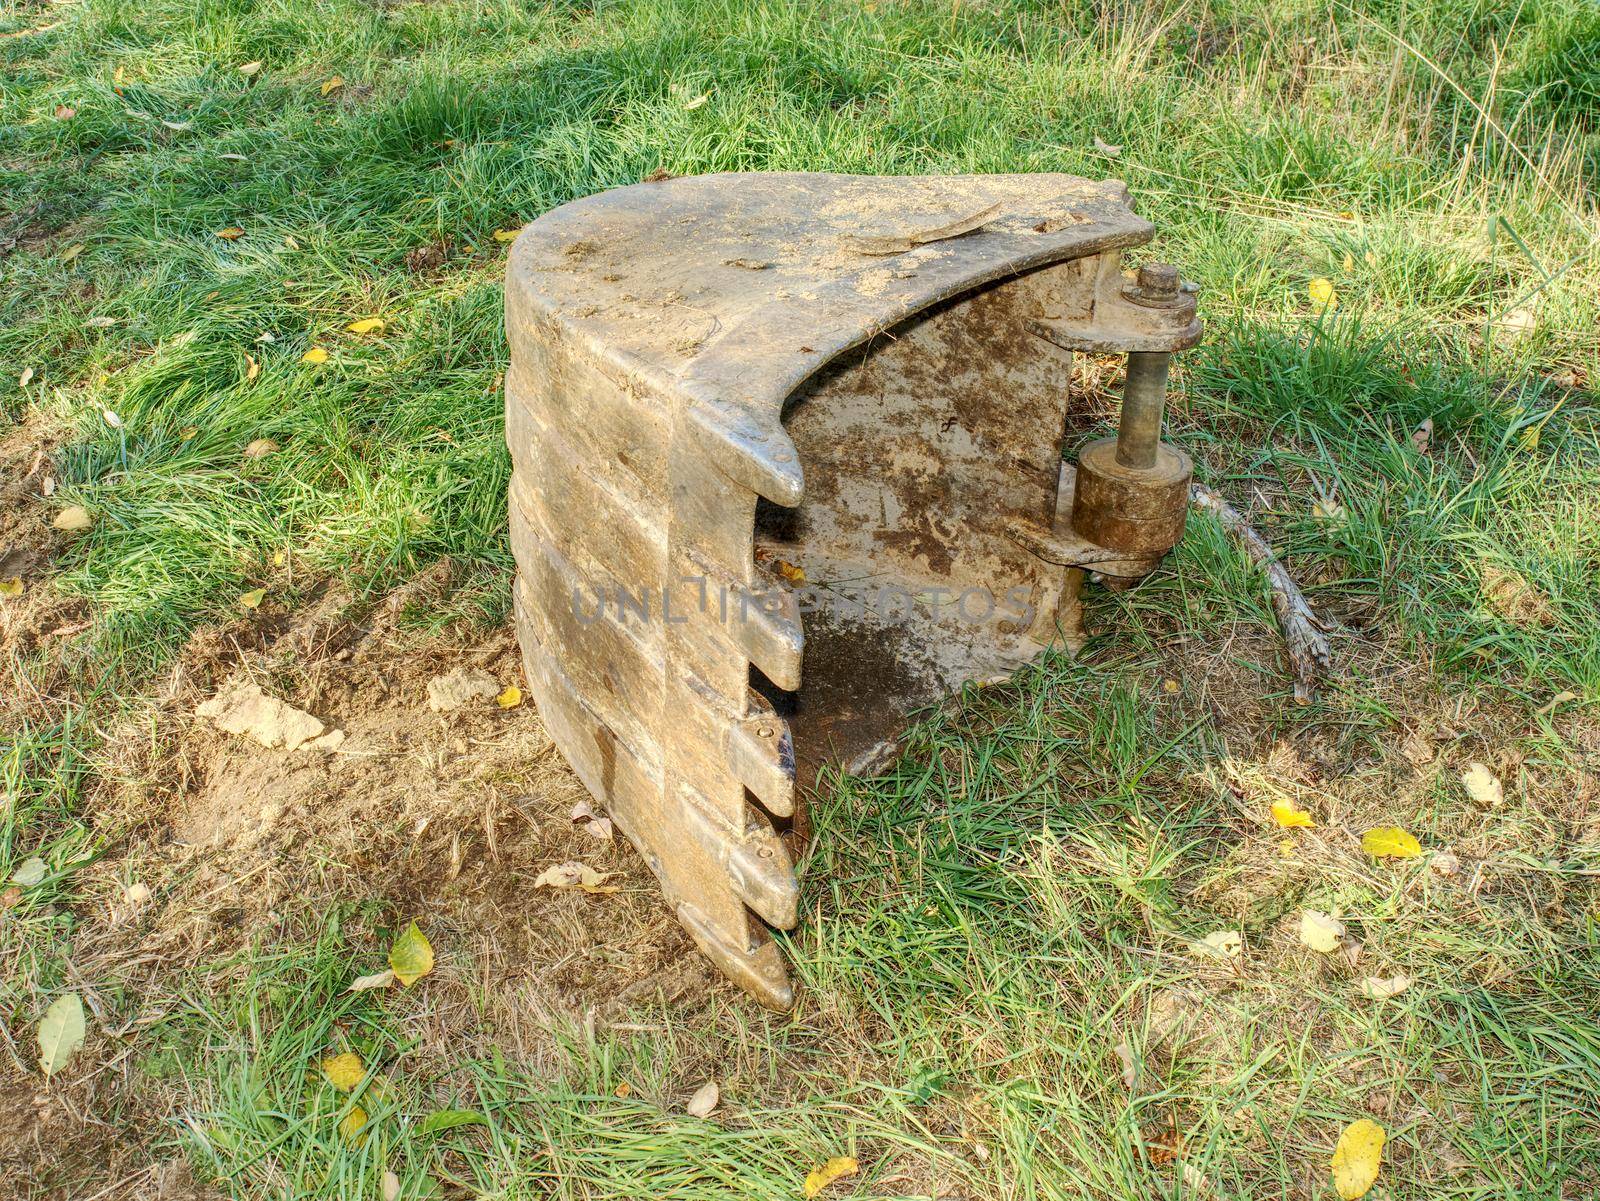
[(1309, 653)]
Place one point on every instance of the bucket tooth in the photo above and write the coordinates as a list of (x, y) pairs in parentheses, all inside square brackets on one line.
[(764, 625), (757, 966), (761, 755), (756, 861), (769, 634)]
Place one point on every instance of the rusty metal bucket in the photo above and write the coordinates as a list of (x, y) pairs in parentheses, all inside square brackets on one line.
[(788, 467)]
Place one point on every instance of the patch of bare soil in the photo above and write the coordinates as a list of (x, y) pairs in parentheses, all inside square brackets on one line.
[(446, 816), (219, 842)]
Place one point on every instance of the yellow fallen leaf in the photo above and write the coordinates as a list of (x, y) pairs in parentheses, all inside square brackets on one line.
[(332, 85), (73, 519), (411, 957), (345, 1072), (315, 355), (623, 1090), (1171, 687), (820, 1178), (11, 586), (1356, 1158), (1320, 932), (1322, 294), (790, 572), (1288, 817), (249, 70), (368, 325), (252, 599), (506, 235), (696, 102), (353, 1127), (72, 252), (279, 558), (232, 234), (1349, 263), (510, 698), (1390, 842)]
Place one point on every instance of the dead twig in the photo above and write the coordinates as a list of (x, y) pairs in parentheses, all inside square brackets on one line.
[(1309, 653)]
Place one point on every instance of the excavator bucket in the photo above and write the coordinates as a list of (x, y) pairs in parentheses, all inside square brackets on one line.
[(788, 467)]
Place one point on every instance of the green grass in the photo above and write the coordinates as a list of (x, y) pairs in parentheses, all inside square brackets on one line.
[(988, 921)]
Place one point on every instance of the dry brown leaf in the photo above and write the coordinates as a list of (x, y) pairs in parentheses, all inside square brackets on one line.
[(1384, 987), (1130, 1065), (1561, 698), (377, 980), (250, 70), (1483, 786), (1320, 931), (73, 519), (260, 448), (573, 874), (704, 1100), (1422, 436), (1221, 944), (232, 234), (1509, 594)]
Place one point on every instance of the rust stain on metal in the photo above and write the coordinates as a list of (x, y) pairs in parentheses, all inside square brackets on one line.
[(788, 467)]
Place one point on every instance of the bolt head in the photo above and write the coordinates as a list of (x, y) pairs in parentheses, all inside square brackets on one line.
[(1159, 280)]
